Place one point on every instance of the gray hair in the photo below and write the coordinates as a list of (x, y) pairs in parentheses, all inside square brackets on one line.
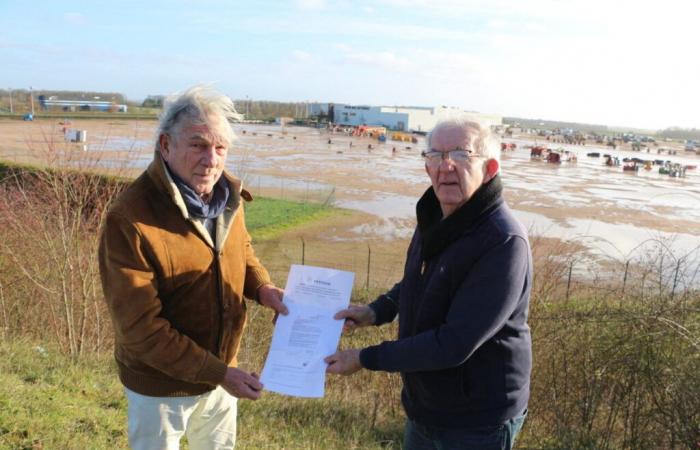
[(484, 144), (198, 105)]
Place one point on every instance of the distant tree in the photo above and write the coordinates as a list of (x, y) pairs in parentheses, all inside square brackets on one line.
[(680, 133)]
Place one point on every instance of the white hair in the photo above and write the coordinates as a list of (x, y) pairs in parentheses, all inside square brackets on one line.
[(484, 144), (198, 105)]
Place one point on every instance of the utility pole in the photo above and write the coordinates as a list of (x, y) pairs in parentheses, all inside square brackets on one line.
[(11, 110), (31, 97)]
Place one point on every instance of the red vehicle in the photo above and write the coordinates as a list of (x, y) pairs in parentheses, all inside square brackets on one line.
[(554, 158), (630, 167), (537, 151)]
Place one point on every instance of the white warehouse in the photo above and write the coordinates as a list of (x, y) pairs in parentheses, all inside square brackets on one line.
[(415, 118)]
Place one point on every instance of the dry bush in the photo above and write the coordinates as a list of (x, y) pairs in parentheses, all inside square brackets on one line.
[(50, 219), (616, 368)]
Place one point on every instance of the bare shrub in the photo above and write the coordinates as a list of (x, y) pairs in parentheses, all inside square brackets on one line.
[(50, 221), (622, 376)]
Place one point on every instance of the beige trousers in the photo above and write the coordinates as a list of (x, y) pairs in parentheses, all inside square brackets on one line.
[(158, 423)]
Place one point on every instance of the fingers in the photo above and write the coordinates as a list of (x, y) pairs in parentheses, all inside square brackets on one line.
[(344, 314), (349, 325), (333, 364), (334, 369), (254, 383), (277, 304), (247, 392), (271, 296), (355, 317), (279, 307), (241, 384)]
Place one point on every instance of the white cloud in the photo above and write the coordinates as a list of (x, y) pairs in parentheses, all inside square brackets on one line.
[(302, 56), (373, 59), (310, 4), (74, 18), (497, 24)]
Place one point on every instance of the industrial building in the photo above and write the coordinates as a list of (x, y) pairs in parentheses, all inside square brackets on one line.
[(80, 105), (414, 118)]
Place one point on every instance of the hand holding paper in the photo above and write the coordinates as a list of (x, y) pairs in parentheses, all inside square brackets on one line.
[(241, 384), (344, 362), (356, 316)]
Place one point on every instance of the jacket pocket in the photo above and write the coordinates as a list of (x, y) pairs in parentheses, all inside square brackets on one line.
[(443, 390)]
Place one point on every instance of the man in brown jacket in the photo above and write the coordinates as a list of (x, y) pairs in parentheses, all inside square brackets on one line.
[(176, 261)]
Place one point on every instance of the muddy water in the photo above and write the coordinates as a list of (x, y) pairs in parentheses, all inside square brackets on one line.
[(613, 213), (563, 199), (604, 208)]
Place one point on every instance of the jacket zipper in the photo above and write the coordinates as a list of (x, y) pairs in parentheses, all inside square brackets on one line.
[(220, 304)]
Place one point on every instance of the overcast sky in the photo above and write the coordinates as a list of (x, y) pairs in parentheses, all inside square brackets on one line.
[(612, 62)]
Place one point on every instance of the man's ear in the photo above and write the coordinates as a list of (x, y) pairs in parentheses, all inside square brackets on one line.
[(164, 145), (491, 169)]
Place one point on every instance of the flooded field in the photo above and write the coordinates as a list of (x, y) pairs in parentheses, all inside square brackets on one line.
[(605, 209), (587, 201)]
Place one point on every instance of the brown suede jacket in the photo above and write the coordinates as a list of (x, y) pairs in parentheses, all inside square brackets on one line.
[(175, 298)]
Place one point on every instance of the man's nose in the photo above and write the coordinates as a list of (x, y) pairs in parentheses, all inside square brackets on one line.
[(209, 156), (446, 164)]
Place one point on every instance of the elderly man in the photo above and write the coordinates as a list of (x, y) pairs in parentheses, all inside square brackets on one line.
[(175, 262), (464, 349)]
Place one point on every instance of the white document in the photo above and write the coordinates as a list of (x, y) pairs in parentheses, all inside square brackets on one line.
[(305, 336)]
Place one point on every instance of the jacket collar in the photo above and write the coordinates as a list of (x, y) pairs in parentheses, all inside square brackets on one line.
[(438, 233), (164, 183)]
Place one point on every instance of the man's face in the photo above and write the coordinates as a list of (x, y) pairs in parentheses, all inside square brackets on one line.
[(197, 154), (455, 183)]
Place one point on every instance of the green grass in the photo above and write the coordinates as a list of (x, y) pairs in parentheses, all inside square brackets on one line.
[(47, 401), (267, 218)]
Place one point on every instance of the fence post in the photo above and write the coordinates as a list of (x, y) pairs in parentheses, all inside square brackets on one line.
[(661, 271), (568, 283), (369, 262), (624, 279), (675, 279), (303, 251)]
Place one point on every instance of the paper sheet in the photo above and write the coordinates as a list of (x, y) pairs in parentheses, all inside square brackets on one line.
[(301, 340)]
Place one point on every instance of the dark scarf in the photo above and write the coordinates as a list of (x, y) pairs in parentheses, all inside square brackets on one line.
[(438, 233), (195, 205)]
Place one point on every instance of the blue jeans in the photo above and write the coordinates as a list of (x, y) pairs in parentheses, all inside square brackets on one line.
[(424, 437)]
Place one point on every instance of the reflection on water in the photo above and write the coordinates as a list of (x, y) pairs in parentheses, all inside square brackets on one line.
[(387, 179)]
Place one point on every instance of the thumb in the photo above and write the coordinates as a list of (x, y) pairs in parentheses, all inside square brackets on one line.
[(343, 314), (278, 305)]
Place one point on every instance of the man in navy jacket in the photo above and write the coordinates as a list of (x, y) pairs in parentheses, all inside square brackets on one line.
[(464, 348)]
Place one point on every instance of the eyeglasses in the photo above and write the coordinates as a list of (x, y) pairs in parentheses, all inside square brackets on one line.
[(433, 158)]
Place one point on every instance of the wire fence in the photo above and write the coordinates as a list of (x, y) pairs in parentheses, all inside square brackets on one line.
[(653, 268)]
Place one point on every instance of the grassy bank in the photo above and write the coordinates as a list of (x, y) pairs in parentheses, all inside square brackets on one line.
[(49, 401), (267, 218), (605, 377)]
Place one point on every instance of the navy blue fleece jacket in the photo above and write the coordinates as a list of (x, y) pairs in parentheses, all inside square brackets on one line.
[(464, 348)]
